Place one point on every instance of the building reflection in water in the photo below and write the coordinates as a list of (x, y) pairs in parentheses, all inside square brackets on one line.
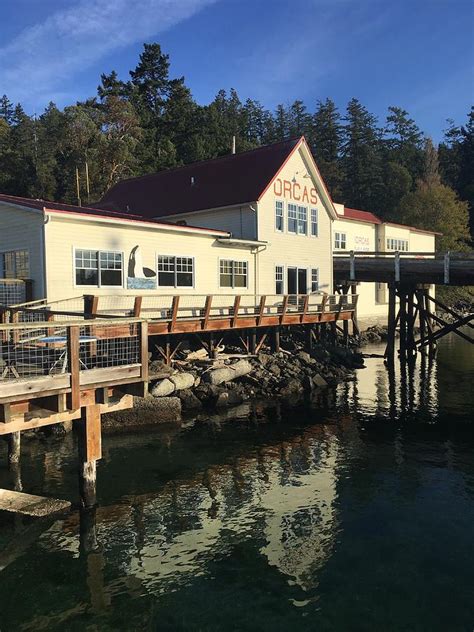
[(281, 497)]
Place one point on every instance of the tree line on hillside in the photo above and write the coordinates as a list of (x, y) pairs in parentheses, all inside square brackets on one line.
[(151, 122)]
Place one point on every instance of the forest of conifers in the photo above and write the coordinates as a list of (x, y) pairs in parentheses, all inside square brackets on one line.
[(151, 122)]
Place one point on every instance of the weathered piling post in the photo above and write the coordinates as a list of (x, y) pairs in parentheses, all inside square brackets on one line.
[(275, 339), (403, 322), (14, 447), (253, 341), (309, 338), (90, 451), (391, 325)]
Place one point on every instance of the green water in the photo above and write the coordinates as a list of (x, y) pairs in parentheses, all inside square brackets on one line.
[(352, 512)]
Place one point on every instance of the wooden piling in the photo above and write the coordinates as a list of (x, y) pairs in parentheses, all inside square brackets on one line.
[(14, 447), (90, 450), (391, 324)]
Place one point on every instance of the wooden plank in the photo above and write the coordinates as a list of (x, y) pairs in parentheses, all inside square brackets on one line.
[(93, 377), (73, 398), (29, 505), (38, 419), (13, 390)]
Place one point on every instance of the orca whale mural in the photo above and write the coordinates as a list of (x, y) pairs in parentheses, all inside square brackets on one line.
[(139, 277)]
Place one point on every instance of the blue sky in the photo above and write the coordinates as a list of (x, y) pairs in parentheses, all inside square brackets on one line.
[(417, 54)]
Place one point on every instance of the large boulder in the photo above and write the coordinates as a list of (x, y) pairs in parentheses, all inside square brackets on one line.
[(182, 381), (146, 411), (291, 387), (319, 381), (163, 388), (189, 401), (228, 398), (159, 369), (228, 373)]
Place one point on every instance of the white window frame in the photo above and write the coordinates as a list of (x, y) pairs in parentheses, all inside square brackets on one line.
[(98, 251), (175, 257), (302, 220), (292, 208), (312, 281), (397, 244), (280, 205), (233, 286), (314, 222), (282, 267), (339, 239)]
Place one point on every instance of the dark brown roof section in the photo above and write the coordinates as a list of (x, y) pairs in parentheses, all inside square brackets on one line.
[(226, 181)]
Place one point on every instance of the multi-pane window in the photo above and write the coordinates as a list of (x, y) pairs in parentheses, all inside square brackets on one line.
[(233, 273), (110, 268), (314, 279), (397, 244), (175, 271), (340, 241), (100, 268), (292, 218), (314, 222), (279, 215), (16, 264), (278, 279), (302, 220)]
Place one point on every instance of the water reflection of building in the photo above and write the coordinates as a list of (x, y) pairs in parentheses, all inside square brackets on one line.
[(393, 393), (282, 497)]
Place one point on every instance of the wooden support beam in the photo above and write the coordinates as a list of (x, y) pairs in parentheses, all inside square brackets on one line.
[(284, 309), (73, 399), (144, 359), (391, 324), (207, 312), (253, 341), (275, 339), (174, 313), (14, 445), (261, 310), (261, 343), (137, 306), (91, 304), (90, 450), (236, 310)]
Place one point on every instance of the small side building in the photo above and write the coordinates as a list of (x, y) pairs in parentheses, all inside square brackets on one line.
[(361, 231)]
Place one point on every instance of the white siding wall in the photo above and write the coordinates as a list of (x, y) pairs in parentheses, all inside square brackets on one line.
[(290, 250), (66, 233), (22, 230)]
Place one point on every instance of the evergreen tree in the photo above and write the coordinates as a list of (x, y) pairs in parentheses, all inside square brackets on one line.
[(6, 109), (361, 158), (403, 141), (299, 120), (325, 140), (282, 123)]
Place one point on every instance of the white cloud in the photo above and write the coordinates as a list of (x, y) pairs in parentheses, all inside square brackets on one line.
[(43, 57)]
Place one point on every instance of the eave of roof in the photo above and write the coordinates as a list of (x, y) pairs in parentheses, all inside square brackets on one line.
[(94, 213)]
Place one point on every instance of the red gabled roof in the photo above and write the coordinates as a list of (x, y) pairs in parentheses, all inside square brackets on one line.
[(366, 216), (226, 181), (58, 207), (361, 216)]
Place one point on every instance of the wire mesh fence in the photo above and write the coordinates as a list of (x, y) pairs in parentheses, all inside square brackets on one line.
[(28, 350), (12, 291)]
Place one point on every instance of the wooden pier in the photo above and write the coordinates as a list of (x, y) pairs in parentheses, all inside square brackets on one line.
[(409, 277), (60, 364)]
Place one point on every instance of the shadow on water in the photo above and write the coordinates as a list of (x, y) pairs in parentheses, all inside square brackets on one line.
[(349, 511)]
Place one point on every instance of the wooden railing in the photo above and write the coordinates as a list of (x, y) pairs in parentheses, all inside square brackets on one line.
[(168, 311)]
